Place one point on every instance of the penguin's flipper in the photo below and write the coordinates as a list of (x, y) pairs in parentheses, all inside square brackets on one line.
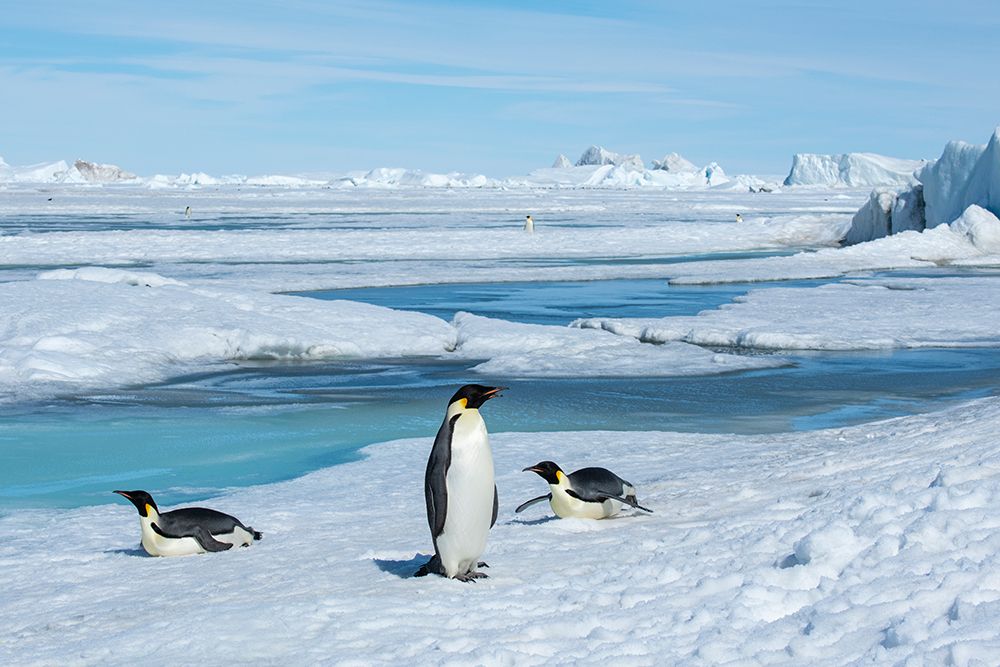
[(528, 503), (200, 534), (435, 486), (630, 500), (496, 506)]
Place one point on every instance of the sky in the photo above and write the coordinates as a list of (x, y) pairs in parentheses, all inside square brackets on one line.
[(498, 88)]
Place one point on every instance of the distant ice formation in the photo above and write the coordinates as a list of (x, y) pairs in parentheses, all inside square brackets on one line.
[(93, 172), (599, 156), (676, 163), (562, 162), (965, 177), (851, 170)]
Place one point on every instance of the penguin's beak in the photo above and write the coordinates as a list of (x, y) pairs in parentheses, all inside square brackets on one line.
[(124, 494), (532, 469), (493, 393)]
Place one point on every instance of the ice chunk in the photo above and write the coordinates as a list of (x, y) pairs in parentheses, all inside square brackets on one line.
[(851, 169)]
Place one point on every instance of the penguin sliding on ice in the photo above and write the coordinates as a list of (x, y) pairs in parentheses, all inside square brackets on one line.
[(588, 493), (189, 530), (459, 487)]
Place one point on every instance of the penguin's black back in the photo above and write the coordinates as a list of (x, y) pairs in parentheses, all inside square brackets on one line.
[(181, 521), (596, 484)]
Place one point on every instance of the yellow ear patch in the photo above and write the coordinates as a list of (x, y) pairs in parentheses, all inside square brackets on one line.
[(559, 475), (149, 509), (463, 402)]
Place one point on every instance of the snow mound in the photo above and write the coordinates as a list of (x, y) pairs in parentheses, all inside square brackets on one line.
[(100, 274), (110, 328), (562, 162), (851, 170), (533, 350), (981, 227), (676, 163)]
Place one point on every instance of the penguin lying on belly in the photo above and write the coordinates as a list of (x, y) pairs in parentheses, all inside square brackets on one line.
[(189, 530), (588, 493)]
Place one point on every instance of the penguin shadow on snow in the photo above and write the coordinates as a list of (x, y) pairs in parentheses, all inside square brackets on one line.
[(531, 522), (403, 569), (135, 552)]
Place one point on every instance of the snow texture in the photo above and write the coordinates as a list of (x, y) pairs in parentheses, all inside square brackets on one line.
[(875, 544)]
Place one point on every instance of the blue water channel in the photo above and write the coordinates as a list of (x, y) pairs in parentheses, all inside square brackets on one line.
[(263, 422)]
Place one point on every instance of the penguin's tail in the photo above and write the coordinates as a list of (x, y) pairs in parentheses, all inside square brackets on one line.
[(433, 566)]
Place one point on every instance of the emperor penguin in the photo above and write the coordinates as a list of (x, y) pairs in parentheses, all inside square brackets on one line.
[(459, 487), (588, 493), (187, 211), (739, 218), (529, 225), (189, 530)]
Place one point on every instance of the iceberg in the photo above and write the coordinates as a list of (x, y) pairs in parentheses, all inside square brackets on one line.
[(965, 175), (851, 170), (93, 172), (676, 163), (599, 156), (562, 162)]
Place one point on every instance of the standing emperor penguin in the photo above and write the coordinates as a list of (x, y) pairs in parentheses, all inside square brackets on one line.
[(186, 531), (459, 487), (588, 493), (529, 225)]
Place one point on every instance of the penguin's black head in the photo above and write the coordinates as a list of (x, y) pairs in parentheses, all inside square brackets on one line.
[(475, 395), (142, 501), (548, 471)]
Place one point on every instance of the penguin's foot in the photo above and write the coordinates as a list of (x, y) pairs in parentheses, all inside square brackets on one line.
[(471, 576), (433, 566)]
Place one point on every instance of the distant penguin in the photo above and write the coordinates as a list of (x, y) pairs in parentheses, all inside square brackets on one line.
[(190, 530), (588, 493), (187, 211), (739, 218), (529, 225), (459, 488)]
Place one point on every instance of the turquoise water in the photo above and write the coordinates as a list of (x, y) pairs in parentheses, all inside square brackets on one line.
[(247, 424)]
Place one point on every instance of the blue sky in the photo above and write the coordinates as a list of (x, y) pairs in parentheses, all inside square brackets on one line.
[(491, 87)]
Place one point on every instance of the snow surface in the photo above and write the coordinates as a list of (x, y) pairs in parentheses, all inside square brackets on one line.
[(533, 350), (875, 544), (110, 328), (851, 170), (859, 315)]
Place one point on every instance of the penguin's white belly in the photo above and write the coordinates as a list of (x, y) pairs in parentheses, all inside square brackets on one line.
[(157, 545), (566, 507), (470, 486)]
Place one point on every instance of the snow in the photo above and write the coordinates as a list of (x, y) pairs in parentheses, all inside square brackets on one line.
[(872, 544), (851, 170), (108, 328), (878, 543), (856, 315), (533, 350)]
